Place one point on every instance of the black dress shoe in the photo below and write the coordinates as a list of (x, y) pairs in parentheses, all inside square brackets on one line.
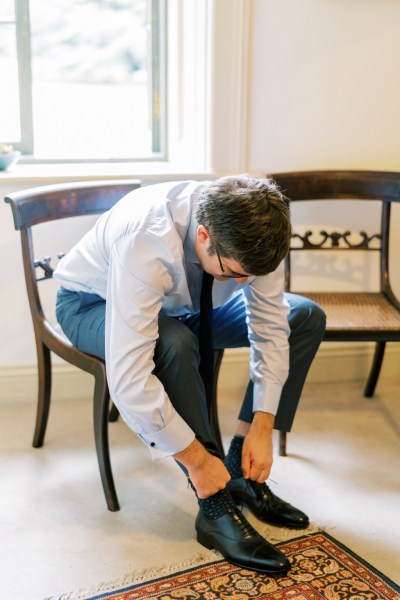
[(265, 505), (240, 543)]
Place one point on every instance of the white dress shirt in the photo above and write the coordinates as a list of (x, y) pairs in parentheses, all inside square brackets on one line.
[(140, 257)]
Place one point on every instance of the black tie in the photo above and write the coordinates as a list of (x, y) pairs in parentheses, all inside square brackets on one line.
[(206, 346)]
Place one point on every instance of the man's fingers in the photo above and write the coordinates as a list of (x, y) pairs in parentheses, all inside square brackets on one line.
[(256, 464), (259, 473), (246, 465), (263, 476), (255, 470)]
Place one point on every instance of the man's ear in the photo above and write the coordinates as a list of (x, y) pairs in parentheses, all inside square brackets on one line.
[(202, 234)]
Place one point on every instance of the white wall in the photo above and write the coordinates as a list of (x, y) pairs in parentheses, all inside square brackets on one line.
[(325, 85), (16, 337)]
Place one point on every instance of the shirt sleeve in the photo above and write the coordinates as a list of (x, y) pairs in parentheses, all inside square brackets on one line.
[(141, 272), (267, 314)]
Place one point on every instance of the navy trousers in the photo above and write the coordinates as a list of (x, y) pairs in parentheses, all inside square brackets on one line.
[(176, 358)]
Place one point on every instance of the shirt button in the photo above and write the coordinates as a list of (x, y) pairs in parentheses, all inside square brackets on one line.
[(152, 444)]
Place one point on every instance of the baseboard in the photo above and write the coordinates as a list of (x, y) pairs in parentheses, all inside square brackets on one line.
[(19, 383), (334, 362), (352, 362)]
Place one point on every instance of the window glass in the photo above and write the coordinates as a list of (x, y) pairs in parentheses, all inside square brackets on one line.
[(7, 10), (9, 101), (91, 78)]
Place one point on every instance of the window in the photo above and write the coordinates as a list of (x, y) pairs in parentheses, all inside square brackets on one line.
[(85, 79), (202, 104)]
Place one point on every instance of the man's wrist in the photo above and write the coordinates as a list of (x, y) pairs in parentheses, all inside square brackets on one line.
[(193, 456), (264, 420)]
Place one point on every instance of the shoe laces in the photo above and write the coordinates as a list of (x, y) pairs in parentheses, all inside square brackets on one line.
[(247, 529), (265, 493), (261, 488)]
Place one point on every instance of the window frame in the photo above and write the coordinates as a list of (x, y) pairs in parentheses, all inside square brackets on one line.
[(211, 109), (214, 38), (23, 44), (157, 98)]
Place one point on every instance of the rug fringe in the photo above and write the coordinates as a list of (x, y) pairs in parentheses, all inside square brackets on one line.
[(144, 575), (277, 535)]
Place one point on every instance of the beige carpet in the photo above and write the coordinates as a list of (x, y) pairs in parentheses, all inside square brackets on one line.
[(57, 536)]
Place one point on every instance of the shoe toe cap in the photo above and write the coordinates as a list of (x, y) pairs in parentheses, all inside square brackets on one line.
[(270, 559), (296, 517)]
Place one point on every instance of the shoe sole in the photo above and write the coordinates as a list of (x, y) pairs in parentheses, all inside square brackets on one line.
[(204, 542)]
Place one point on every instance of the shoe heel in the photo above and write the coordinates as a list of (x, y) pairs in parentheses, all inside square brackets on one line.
[(204, 541)]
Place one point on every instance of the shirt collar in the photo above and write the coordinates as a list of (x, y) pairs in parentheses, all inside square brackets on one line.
[(189, 245)]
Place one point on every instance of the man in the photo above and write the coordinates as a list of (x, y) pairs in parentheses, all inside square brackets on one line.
[(131, 295)]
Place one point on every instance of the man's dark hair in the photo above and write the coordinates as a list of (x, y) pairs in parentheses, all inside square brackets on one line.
[(248, 220)]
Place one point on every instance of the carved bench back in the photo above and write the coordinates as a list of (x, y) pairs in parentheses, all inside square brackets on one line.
[(342, 186)]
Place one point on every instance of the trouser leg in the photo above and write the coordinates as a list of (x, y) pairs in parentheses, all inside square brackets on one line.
[(307, 327), (177, 367), (82, 319)]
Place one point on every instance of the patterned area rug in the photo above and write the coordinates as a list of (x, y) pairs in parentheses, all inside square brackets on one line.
[(321, 568)]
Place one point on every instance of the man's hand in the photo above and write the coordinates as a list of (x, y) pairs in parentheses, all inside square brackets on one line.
[(257, 448), (207, 473)]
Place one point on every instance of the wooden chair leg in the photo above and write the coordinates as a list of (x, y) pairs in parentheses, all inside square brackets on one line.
[(44, 393), (114, 413), (375, 369), (282, 443), (101, 402), (213, 408)]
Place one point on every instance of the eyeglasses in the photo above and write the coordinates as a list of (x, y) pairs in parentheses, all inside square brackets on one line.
[(234, 275)]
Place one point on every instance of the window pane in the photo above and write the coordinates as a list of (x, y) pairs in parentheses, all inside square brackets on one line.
[(7, 10), (90, 70), (9, 97)]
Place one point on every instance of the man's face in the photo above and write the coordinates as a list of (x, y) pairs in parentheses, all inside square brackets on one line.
[(223, 269)]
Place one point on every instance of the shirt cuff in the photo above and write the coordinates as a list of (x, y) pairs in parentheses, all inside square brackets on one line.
[(172, 439), (266, 397)]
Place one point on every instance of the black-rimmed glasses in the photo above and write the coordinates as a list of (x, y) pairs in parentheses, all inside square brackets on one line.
[(234, 275)]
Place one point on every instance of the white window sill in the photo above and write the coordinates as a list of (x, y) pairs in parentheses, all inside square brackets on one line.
[(60, 172)]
